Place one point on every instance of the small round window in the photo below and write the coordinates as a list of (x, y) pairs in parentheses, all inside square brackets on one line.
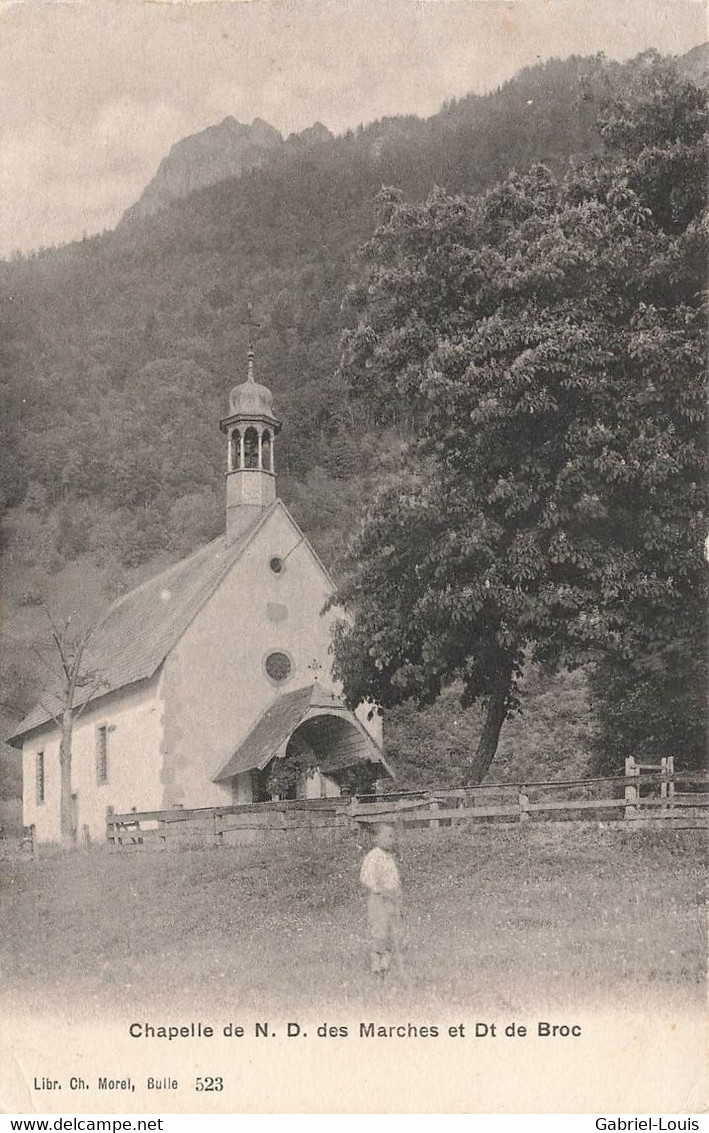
[(276, 564), (278, 666)]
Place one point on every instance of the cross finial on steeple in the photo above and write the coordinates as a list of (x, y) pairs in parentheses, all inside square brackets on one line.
[(250, 352)]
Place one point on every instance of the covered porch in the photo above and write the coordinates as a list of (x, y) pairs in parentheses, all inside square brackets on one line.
[(306, 745)]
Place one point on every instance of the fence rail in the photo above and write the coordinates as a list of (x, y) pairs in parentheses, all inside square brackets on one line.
[(645, 793)]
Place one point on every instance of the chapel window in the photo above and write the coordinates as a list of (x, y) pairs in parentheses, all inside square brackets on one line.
[(102, 754), (278, 666), (39, 777)]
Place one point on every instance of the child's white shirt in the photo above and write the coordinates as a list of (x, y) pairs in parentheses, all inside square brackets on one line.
[(379, 872)]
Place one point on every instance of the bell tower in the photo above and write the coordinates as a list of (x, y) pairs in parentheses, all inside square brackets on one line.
[(251, 473)]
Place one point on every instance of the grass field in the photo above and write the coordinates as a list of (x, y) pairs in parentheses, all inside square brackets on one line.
[(500, 918)]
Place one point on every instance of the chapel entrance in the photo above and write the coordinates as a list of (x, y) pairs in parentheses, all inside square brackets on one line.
[(307, 744), (325, 756)]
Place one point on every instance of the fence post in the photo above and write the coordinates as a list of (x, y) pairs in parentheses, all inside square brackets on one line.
[(218, 828), (632, 788), (434, 823), (523, 800), (29, 839)]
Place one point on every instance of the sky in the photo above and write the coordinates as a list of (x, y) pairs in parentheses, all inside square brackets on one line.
[(93, 93)]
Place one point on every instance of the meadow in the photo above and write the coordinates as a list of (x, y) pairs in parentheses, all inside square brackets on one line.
[(504, 919)]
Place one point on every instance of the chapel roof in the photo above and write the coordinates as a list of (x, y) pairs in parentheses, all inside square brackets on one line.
[(138, 630)]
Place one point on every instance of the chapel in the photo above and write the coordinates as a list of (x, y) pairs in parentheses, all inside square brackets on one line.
[(216, 682)]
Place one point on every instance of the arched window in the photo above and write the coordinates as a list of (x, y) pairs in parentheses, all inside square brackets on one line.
[(266, 454), (250, 448), (235, 451)]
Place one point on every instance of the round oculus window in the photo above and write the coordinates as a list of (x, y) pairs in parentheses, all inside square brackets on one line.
[(276, 564), (278, 666)]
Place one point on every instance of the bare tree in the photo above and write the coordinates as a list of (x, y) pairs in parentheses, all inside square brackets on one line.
[(76, 685)]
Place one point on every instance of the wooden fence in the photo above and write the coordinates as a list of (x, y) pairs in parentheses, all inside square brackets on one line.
[(644, 794)]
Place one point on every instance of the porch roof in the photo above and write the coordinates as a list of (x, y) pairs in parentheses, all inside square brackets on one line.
[(270, 735)]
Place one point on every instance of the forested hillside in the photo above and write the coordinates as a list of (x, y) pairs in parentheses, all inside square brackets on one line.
[(118, 352)]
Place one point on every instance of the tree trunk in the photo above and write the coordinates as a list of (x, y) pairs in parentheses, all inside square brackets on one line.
[(494, 719), (65, 807)]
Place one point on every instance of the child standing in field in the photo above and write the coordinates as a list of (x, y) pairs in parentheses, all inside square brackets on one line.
[(380, 877)]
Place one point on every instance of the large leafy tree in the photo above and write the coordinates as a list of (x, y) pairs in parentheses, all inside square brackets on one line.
[(546, 343)]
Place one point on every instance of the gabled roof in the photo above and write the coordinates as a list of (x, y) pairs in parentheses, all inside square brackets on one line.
[(272, 731), (139, 629)]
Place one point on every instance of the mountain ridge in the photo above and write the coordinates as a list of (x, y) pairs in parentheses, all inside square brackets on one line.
[(220, 152), (229, 149), (226, 149)]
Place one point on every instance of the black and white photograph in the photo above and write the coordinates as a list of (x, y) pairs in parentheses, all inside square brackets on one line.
[(353, 557)]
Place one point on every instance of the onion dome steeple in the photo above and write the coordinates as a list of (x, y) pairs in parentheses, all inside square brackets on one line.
[(250, 398)]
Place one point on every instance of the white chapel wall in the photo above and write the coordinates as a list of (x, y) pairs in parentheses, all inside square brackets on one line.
[(132, 720), (215, 686), (43, 816)]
